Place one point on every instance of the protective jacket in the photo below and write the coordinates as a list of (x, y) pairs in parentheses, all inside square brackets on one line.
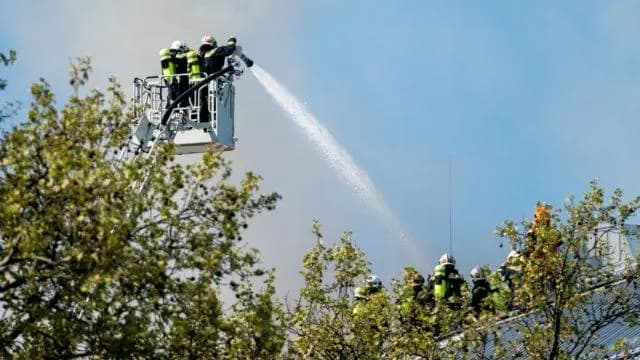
[(168, 63), (174, 62), (416, 299), (207, 60), (481, 290), (447, 282), (359, 297), (502, 289), (194, 67), (362, 296), (213, 57), (511, 272)]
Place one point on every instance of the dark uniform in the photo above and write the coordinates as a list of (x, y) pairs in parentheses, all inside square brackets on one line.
[(173, 62), (481, 290), (212, 59), (181, 68)]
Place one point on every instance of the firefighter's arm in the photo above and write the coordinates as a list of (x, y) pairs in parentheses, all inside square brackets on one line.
[(228, 49)]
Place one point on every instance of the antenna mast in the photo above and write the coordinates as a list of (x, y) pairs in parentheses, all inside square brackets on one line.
[(450, 209)]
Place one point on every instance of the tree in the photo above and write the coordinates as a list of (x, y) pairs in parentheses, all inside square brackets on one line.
[(324, 323), (93, 268), (567, 293), (568, 290), (10, 108), (321, 322)]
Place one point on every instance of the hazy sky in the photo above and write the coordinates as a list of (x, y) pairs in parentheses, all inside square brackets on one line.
[(532, 101)]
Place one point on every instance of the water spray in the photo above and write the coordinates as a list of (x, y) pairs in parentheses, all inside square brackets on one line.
[(339, 159)]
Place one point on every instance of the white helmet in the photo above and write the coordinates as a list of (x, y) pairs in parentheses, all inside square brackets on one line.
[(176, 45), (208, 39), (477, 273), (374, 281), (513, 254), (447, 258)]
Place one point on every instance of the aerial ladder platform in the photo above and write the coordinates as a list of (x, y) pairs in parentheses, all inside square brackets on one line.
[(159, 119)]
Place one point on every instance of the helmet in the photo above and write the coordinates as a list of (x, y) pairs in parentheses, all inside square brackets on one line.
[(477, 273), (447, 258), (374, 282), (513, 254), (359, 293), (418, 280), (208, 39), (176, 45), (184, 46)]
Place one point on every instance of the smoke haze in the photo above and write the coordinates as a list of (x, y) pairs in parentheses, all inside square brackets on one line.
[(124, 39)]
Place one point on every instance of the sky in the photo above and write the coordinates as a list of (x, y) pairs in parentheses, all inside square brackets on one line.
[(530, 100)]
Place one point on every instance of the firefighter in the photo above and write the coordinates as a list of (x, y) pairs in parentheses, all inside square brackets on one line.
[(212, 57), (182, 71), (359, 298), (373, 285), (173, 62), (501, 294), (362, 294), (505, 281), (480, 291), (418, 298), (511, 269), (447, 282)]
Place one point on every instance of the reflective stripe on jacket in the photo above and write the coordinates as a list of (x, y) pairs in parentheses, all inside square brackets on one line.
[(168, 63), (193, 65)]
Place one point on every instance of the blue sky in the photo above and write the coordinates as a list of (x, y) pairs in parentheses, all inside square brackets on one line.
[(531, 100)]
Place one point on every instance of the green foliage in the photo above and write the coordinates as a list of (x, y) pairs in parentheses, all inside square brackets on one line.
[(8, 109), (562, 262), (322, 322), (325, 322), (90, 267), (8, 59), (79, 73)]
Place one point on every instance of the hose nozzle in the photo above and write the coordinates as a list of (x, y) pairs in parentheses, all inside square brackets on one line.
[(246, 60), (240, 55)]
